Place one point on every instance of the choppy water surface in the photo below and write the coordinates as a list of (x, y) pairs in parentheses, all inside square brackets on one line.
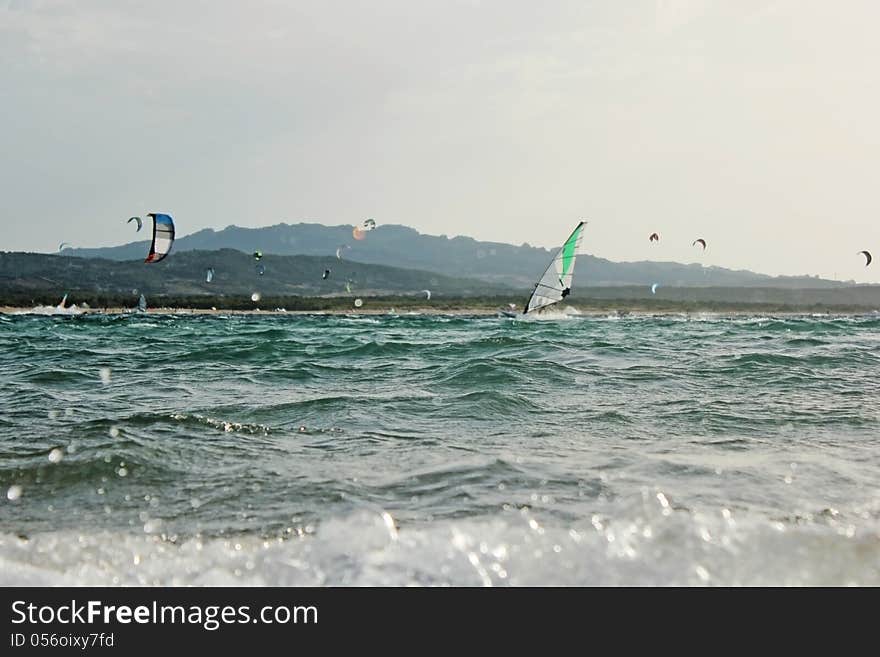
[(439, 450)]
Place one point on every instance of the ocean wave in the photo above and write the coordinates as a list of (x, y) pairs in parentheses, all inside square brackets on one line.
[(657, 545), (265, 428)]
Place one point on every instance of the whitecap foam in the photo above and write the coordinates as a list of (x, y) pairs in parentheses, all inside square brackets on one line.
[(554, 315), (51, 310), (228, 426), (515, 548)]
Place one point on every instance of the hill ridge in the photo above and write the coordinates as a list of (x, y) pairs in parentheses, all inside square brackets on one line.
[(495, 262)]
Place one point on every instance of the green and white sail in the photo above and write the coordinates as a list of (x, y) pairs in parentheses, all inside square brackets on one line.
[(555, 284)]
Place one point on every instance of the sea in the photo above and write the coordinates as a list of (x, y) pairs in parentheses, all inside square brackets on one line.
[(439, 450)]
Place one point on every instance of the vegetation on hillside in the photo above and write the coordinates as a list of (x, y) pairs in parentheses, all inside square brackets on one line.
[(495, 262)]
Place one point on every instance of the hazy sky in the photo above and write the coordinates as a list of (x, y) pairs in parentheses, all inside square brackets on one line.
[(752, 124)]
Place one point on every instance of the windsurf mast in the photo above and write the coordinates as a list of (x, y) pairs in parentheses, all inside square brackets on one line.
[(555, 284)]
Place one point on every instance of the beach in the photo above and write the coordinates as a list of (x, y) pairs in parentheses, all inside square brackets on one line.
[(470, 311)]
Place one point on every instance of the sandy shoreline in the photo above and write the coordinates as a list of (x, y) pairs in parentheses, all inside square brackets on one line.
[(11, 310), (461, 311)]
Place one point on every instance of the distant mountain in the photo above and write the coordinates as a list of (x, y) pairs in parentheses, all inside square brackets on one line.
[(235, 273), (400, 246)]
